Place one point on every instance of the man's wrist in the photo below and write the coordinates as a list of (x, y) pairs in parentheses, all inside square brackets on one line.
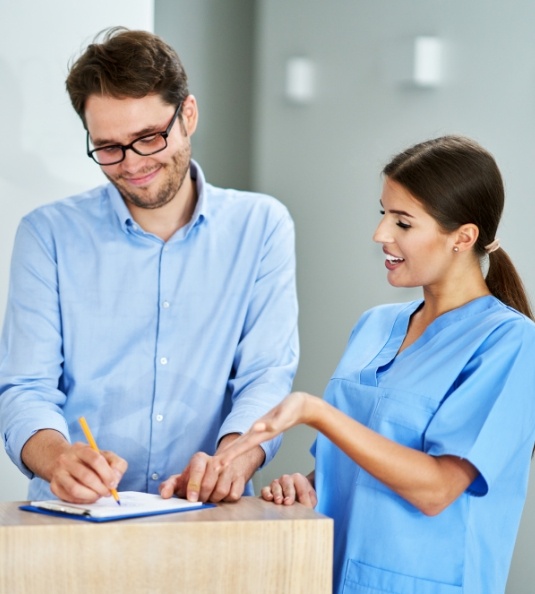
[(40, 452), (253, 458)]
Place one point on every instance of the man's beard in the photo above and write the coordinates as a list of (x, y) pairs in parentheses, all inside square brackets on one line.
[(176, 172)]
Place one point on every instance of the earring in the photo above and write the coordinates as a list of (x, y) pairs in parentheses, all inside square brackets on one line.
[(455, 249)]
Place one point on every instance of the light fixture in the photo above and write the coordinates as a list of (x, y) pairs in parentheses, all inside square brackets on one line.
[(300, 80), (416, 62), (427, 61)]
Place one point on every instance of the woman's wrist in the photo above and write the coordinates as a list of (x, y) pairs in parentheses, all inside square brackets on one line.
[(315, 409)]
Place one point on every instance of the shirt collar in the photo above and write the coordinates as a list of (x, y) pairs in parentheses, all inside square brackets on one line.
[(201, 208)]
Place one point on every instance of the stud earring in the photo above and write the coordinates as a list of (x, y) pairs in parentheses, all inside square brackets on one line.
[(455, 249)]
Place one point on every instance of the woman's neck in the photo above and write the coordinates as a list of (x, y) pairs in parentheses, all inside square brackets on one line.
[(438, 302)]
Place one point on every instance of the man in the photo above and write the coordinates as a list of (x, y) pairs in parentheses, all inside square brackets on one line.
[(159, 307)]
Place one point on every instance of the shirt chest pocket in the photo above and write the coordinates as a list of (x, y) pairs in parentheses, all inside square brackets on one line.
[(403, 416), (363, 579)]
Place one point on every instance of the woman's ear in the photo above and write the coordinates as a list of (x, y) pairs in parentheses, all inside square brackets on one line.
[(465, 237)]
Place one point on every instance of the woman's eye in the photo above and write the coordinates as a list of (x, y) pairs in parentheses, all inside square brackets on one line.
[(398, 223)]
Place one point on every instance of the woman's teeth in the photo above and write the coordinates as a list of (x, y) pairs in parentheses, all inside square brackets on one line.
[(393, 259)]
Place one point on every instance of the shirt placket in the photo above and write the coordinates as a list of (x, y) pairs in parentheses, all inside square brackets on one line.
[(163, 360)]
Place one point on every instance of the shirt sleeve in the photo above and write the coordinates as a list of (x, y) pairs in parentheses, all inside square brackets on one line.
[(488, 417), (30, 350), (267, 355)]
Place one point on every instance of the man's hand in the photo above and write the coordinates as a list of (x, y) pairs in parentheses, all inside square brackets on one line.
[(204, 479), (76, 473)]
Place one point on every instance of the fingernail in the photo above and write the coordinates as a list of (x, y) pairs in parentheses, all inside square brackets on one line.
[(193, 496)]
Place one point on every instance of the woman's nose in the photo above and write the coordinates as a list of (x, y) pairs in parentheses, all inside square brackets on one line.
[(381, 234)]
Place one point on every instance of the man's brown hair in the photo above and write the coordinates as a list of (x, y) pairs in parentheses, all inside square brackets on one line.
[(122, 63)]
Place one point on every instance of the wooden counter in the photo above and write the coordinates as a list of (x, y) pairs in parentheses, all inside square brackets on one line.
[(247, 547)]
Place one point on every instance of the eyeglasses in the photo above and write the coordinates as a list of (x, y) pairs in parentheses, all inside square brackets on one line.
[(144, 146)]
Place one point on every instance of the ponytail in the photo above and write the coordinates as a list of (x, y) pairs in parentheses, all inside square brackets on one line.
[(505, 283)]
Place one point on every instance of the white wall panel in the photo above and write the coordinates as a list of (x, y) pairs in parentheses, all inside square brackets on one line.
[(42, 144)]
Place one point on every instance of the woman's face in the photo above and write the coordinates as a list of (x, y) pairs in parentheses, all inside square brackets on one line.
[(418, 252)]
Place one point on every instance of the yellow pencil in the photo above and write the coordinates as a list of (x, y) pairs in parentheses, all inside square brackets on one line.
[(93, 444)]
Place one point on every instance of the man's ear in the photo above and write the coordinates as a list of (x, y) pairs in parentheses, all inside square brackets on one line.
[(190, 115)]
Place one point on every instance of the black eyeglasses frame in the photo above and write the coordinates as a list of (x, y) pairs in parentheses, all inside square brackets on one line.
[(125, 147)]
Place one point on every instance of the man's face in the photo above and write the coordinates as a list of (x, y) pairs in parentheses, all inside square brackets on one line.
[(147, 182)]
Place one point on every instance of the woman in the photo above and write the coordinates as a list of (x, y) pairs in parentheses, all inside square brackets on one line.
[(427, 426)]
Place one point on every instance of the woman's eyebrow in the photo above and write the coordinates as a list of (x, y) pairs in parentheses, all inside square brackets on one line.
[(401, 212), (398, 212)]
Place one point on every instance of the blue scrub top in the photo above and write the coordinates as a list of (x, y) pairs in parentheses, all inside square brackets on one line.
[(466, 388)]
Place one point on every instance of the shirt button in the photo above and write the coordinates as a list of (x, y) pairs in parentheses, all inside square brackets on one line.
[(163, 360), (165, 304), (159, 418), (166, 248), (154, 476)]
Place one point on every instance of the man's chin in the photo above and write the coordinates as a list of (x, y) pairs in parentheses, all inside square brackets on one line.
[(145, 199), (146, 203)]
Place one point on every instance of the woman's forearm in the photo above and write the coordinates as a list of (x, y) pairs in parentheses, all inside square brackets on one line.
[(429, 483)]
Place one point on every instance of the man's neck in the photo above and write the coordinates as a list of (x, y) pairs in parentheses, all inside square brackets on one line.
[(166, 220)]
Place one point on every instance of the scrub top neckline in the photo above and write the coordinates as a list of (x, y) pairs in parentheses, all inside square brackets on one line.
[(390, 351)]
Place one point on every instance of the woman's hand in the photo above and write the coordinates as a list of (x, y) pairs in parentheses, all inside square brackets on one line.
[(295, 409), (290, 488)]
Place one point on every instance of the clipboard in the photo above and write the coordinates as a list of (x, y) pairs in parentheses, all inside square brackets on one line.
[(133, 505)]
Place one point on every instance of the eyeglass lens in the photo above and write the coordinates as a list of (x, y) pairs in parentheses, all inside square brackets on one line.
[(146, 145)]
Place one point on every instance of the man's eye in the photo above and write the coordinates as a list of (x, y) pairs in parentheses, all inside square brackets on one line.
[(147, 139)]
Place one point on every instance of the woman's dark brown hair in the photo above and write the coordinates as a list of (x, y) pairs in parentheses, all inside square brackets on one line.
[(458, 182), (123, 63)]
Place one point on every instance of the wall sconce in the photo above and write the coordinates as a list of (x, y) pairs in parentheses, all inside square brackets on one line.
[(427, 64), (300, 80), (415, 62)]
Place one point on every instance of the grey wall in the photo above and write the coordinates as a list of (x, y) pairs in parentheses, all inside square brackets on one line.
[(323, 159), (215, 41)]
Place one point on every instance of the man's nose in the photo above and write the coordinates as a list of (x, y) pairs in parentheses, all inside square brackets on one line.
[(132, 161)]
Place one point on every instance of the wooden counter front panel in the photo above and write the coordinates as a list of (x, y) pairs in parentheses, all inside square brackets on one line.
[(248, 547)]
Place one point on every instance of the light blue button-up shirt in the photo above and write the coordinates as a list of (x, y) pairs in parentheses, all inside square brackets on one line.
[(164, 347)]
